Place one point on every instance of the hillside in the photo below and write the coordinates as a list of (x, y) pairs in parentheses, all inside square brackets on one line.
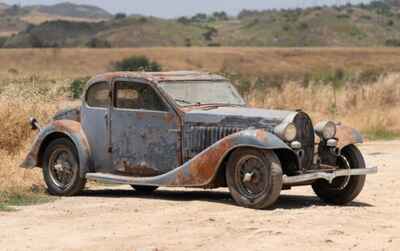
[(15, 19), (367, 25), (72, 10)]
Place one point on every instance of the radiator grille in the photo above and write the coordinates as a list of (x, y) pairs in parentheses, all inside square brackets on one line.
[(306, 136), (200, 138)]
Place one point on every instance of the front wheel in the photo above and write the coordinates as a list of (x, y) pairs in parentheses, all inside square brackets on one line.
[(343, 189), (61, 168), (254, 178)]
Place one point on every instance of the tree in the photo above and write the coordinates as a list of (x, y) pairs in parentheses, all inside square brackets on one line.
[(120, 16)]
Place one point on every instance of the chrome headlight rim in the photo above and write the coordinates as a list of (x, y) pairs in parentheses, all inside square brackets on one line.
[(287, 131), (326, 130)]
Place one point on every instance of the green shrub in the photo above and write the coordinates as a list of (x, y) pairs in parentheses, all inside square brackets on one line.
[(2, 41), (98, 43), (77, 86), (136, 63)]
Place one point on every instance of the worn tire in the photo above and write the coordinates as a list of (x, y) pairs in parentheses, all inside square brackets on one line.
[(144, 189), (330, 193), (77, 183), (268, 178)]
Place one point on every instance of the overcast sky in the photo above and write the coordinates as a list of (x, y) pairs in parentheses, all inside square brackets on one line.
[(175, 8)]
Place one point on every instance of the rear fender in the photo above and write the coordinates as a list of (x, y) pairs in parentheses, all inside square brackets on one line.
[(56, 129), (203, 168)]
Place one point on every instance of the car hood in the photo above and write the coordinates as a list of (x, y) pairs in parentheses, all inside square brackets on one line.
[(238, 117)]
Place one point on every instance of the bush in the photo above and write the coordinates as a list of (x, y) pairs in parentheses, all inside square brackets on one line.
[(98, 43), (137, 63), (2, 41), (392, 42), (77, 86)]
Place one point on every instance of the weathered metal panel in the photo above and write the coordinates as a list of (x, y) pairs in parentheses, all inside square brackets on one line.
[(95, 125), (144, 143)]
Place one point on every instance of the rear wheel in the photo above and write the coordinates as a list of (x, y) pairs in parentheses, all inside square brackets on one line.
[(343, 189), (61, 168), (254, 178), (144, 189)]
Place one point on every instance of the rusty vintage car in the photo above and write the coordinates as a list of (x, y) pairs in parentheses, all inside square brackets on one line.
[(193, 129)]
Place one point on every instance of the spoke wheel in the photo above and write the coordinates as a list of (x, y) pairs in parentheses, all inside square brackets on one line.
[(61, 168), (254, 178), (251, 176), (343, 189)]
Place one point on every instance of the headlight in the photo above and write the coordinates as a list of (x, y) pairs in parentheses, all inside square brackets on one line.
[(326, 130), (288, 131)]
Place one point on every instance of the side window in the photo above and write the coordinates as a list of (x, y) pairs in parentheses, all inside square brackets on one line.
[(98, 95), (136, 96)]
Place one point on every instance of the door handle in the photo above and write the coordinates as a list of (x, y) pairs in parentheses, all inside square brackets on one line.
[(174, 131)]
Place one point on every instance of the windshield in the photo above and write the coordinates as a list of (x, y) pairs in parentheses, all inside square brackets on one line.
[(189, 93)]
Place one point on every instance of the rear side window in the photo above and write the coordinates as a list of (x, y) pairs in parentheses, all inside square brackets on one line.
[(98, 95), (137, 96)]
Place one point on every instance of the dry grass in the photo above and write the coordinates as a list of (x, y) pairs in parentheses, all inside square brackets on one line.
[(373, 109), (248, 61), (35, 82), (20, 98)]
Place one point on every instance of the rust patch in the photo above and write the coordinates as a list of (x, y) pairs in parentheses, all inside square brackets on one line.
[(203, 168), (137, 170), (140, 115), (169, 118), (261, 135)]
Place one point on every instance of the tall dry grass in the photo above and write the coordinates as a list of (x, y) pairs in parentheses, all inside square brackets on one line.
[(374, 108), (20, 98)]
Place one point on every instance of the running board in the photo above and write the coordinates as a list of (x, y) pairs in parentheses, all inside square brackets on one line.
[(287, 180), (119, 179), (328, 176)]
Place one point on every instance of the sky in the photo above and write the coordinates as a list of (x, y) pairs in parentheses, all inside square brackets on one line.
[(176, 8)]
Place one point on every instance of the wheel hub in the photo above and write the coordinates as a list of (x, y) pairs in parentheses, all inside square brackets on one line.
[(61, 169), (252, 176)]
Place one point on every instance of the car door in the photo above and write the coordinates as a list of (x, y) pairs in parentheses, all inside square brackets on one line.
[(144, 130), (94, 121)]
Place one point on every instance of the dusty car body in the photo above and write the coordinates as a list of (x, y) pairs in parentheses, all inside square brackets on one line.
[(140, 129)]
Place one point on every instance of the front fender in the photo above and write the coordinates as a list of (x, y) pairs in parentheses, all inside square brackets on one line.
[(348, 136), (203, 168), (60, 128)]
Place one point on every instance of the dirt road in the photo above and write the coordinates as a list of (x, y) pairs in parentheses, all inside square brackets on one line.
[(118, 219)]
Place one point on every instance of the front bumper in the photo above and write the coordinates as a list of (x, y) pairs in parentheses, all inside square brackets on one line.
[(328, 176)]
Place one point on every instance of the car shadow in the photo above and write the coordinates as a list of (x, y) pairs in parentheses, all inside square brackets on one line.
[(223, 197)]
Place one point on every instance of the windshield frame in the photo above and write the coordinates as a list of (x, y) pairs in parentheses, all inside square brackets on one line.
[(183, 82)]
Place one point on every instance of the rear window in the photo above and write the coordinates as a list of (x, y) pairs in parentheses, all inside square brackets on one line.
[(98, 95)]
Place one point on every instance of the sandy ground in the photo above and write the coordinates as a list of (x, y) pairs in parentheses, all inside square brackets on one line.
[(118, 219)]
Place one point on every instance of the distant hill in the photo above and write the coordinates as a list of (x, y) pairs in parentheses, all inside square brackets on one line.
[(14, 19), (72, 10), (3, 6), (374, 24)]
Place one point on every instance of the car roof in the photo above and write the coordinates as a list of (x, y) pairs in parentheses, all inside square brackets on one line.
[(158, 77)]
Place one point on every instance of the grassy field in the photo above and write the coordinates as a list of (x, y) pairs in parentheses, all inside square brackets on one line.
[(359, 87)]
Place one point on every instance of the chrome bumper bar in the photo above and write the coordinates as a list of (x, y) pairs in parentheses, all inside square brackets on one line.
[(328, 176)]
